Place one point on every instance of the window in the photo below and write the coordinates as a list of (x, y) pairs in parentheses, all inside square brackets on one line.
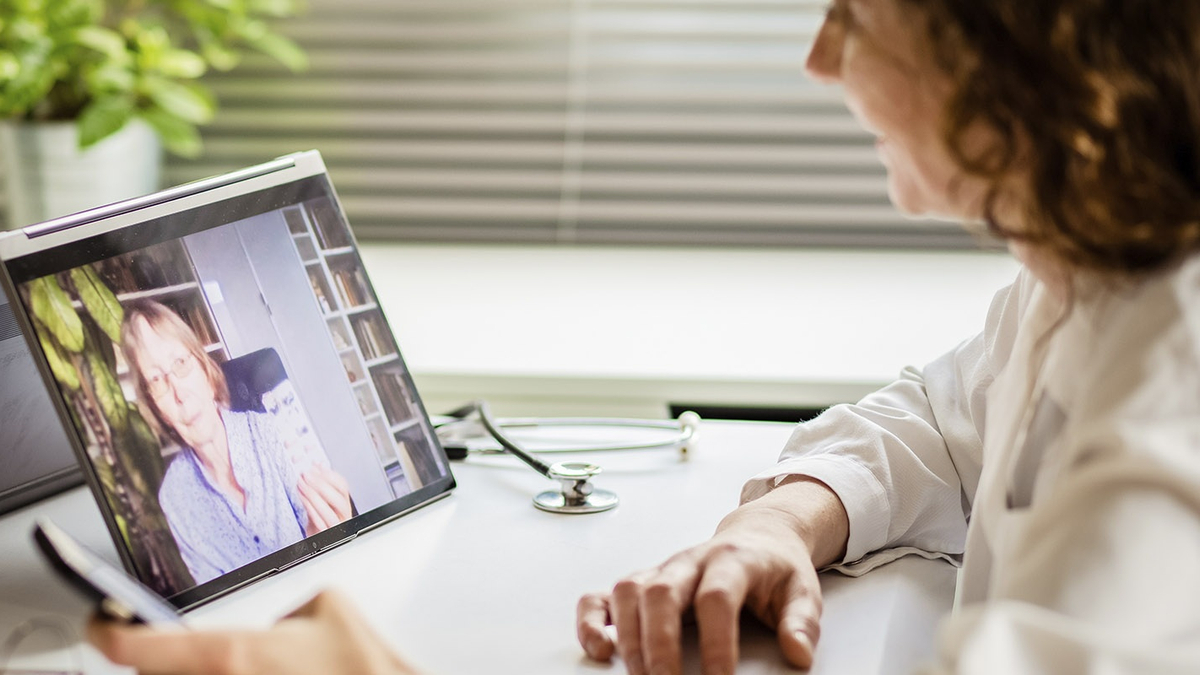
[(590, 121)]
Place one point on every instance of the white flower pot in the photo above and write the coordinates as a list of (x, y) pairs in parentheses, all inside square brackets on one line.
[(46, 175)]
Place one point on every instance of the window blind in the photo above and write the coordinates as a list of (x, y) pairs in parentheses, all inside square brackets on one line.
[(589, 121)]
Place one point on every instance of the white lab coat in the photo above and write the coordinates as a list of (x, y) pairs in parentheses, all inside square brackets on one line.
[(1058, 458)]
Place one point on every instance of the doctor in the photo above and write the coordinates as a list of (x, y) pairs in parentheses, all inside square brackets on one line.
[(1056, 454)]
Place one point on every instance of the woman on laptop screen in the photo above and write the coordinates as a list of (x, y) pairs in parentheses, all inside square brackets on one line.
[(230, 495)]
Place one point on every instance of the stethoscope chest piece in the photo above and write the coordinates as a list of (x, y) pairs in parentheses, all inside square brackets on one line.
[(577, 495)]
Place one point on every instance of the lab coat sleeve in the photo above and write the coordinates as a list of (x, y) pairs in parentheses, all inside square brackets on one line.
[(905, 460), (1103, 575)]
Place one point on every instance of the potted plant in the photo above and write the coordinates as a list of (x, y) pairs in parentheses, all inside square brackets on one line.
[(90, 88)]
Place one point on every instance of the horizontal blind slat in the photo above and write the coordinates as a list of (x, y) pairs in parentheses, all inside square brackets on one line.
[(524, 65), (628, 124), (355, 151), (633, 212), (725, 184), (352, 91), (480, 36)]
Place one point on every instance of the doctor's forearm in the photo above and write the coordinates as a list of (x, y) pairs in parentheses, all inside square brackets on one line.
[(809, 508)]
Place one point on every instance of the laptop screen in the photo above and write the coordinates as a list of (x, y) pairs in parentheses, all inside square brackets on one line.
[(235, 387)]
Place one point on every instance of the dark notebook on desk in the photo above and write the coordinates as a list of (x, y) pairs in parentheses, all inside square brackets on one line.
[(225, 374)]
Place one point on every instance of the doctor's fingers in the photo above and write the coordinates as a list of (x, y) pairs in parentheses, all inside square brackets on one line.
[(591, 623), (798, 624), (666, 596), (647, 610), (718, 606)]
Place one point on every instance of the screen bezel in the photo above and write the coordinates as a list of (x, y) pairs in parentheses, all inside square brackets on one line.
[(23, 258)]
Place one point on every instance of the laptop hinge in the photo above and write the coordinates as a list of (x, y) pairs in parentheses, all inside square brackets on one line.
[(185, 190)]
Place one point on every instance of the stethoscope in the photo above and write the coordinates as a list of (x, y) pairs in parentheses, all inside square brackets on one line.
[(576, 494)]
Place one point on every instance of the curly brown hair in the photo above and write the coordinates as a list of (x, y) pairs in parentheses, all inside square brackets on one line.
[(1099, 101)]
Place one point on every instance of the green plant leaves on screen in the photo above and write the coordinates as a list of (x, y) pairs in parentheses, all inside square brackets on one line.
[(108, 392), (53, 309), (146, 448), (99, 301), (64, 371)]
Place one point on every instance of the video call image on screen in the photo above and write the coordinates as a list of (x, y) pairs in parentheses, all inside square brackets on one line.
[(237, 390)]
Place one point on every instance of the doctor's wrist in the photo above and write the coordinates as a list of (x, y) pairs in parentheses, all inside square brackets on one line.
[(807, 508)]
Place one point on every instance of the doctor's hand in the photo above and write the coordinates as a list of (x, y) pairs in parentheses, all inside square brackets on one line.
[(326, 636), (325, 495), (763, 557)]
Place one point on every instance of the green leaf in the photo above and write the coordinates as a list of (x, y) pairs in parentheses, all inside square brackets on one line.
[(145, 449), (126, 447), (220, 57), (74, 12), (53, 308), (282, 50), (151, 40), (189, 102), (108, 482), (64, 371), (24, 29), (99, 301), (177, 136), (250, 30), (146, 437), (111, 77), (104, 40), (275, 8), (76, 419), (108, 392), (182, 63), (10, 67), (94, 337), (36, 75), (102, 118)]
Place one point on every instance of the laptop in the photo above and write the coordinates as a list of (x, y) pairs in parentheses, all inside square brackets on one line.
[(36, 459), (225, 375)]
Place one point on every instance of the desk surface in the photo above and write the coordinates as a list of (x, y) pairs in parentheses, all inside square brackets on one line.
[(481, 581)]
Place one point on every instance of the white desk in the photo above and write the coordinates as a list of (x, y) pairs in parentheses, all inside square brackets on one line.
[(483, 582)]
